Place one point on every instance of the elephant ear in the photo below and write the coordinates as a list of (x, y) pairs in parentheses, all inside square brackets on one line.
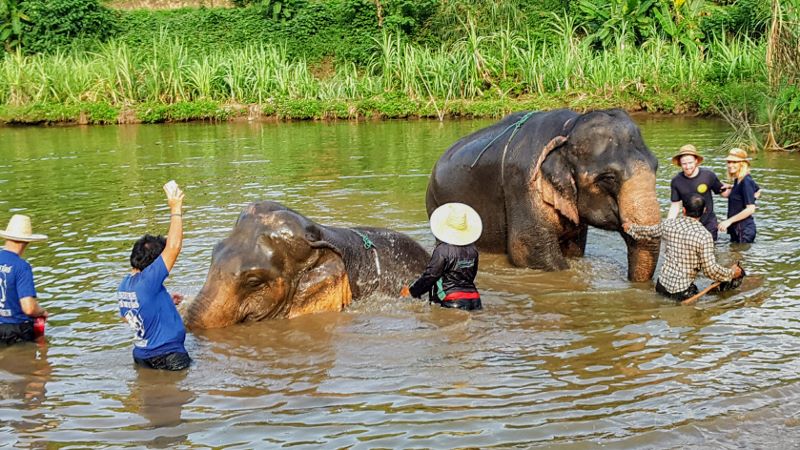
[(557, 189), (323, 286)]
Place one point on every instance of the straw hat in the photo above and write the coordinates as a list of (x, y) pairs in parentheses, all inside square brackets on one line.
[(456, 224), (687, 149), (19, 229), (737, 155)]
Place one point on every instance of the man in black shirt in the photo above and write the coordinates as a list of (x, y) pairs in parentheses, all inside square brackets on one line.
[(694, 179)]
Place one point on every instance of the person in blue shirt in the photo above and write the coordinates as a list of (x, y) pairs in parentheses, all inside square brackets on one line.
[(18, 305), (740, 224), (144, 301)]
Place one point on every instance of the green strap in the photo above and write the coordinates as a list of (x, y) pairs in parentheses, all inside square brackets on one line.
[(367, 242), (516, 126), (440, 290)]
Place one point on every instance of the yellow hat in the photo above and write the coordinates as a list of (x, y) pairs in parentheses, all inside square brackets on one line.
[(456, 223), (19, 229), (687, 149)]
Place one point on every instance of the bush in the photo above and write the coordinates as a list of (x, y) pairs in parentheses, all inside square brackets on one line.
[(58, 24)]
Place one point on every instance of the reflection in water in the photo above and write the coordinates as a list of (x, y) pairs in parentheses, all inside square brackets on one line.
[(24, 373), (156, 396), (578, 358)]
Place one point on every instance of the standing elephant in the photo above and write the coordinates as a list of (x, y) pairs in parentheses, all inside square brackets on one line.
[(276, 263), (540, 179)]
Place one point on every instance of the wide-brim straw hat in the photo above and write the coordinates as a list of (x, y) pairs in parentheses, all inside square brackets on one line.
[(456, 224), (19, 229), (737, 155), (687, 149)]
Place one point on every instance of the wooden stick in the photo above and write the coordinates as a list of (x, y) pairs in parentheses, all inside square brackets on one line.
[(697, 296)]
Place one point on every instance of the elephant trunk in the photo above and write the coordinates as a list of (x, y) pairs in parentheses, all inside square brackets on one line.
[(638, 205), (212, 308)]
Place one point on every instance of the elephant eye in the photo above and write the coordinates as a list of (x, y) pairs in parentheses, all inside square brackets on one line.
[(254, 281), (608, 179)]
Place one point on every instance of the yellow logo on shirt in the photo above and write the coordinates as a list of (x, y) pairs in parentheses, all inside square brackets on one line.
[(702, 188)]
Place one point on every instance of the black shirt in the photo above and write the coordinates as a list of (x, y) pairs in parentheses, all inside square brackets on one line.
[(704, 184), (456, 265)]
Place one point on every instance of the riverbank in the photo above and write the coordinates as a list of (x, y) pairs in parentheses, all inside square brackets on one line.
[(393, 107)]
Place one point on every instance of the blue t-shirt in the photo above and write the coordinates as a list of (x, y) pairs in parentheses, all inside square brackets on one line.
[(16, 282), (742, 194), (147, 306)]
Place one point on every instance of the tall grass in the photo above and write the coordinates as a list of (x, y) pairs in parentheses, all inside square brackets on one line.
[(476, 66)]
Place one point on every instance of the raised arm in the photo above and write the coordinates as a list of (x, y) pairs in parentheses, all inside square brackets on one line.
[(175, 233)]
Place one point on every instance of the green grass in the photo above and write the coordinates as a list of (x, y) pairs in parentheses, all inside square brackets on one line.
[(478, 75)]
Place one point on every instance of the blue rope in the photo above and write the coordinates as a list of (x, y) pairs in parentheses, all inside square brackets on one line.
[(516, 126)]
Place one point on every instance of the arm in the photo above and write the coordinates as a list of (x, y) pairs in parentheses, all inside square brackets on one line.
[(175, 233), (744, 214), (642, 231), (708, 262), (748, 197), (31, 307), (432, 273), (674, 209)]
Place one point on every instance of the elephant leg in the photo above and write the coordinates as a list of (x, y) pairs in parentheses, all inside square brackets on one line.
[(573, 243), (324, 287), (542, 252)]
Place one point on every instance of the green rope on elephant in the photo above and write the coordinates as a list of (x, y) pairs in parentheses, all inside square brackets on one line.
[(367, 242), (516, 126)]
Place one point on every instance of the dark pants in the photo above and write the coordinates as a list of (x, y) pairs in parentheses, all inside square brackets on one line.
[(170, 361), (11, 333), (466, 304), (743, 232), (677, 296), (711, 226)]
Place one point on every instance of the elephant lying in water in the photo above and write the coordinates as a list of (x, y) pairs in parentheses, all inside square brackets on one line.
[(276, 263), (540, 186)]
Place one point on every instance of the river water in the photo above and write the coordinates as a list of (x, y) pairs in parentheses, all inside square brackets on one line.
[(575, 359)]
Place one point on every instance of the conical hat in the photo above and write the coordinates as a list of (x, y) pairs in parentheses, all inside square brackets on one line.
[(19, 229), (456, 223)]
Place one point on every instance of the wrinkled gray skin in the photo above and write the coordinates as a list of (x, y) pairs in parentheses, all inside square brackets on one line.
[(562, 172), (276, 263)]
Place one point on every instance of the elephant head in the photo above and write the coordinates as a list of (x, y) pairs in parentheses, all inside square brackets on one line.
[(599, 172), (275, 263)]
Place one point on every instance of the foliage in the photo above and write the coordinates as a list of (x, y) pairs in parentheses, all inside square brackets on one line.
[(742, 17), (278, 10), (12, 19), (616, 23), (58, 24)]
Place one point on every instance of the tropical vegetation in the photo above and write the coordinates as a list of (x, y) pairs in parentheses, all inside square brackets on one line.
[(83, 61)]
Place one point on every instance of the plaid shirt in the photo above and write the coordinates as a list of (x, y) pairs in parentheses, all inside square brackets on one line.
[(689, 248)]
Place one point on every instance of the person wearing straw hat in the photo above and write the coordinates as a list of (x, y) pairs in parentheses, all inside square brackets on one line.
[(18, 305), (449, 278), (694, 179), (740, 224), (144, 301)]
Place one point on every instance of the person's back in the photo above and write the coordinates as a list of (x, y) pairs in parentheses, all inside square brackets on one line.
[(689, 248), (144, 301), (18, 304)]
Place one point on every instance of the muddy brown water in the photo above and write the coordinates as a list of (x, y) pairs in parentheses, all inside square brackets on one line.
[(575, 359)]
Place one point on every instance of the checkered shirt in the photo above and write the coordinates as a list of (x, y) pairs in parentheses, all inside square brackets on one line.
[(689, 249)]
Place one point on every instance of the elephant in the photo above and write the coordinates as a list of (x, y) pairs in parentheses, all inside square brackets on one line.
[(539, 179), (277, 263)]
